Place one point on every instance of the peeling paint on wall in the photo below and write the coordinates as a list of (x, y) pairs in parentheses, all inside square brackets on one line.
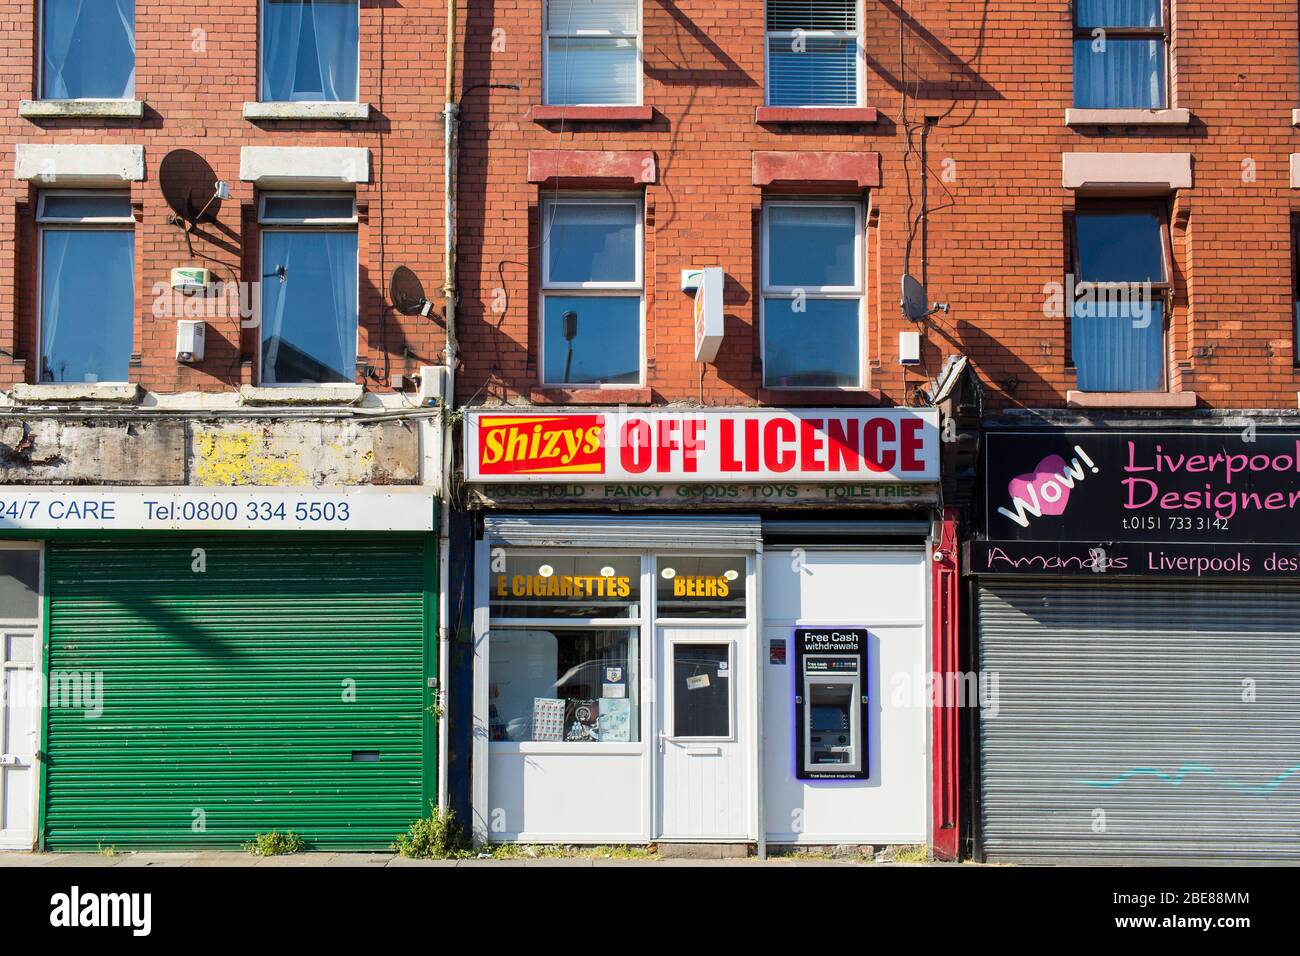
[(312, 453), (226, 459)]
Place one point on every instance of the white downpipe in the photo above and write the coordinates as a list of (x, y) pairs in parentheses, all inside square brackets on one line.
[(448, 398)]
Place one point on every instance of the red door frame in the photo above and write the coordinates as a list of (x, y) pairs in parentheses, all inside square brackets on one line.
[(946, 811)]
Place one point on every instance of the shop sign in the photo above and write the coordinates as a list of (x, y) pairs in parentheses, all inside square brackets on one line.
[(215, 509), (712, 493), (1182, 503), (705, 445)]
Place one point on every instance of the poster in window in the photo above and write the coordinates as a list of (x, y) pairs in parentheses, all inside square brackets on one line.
[(615, 719), (582, 720), (548, 718)]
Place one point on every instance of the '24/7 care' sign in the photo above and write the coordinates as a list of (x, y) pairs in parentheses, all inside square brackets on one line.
[(704, 444), (1188, 503)]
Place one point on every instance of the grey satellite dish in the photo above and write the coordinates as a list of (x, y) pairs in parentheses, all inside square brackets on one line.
[(408, 293), (191, 190), (916, 303)]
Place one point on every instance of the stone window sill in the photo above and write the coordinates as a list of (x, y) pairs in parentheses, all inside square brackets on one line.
[(591, 114), (340, 394), (76, 392), (1295, 117), (1123, 117), (550, 395), (307, 111), (1134, 400), (81, 109), (816, 114), (814, 397)]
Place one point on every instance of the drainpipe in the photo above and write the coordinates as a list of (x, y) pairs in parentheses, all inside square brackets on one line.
[(449, 396)]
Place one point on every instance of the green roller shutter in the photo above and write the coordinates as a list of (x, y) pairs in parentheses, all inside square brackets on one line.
[(260, 683)]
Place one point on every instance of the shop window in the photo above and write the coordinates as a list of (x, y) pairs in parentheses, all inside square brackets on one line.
[(567, 675), (87, 286), (814, 53), (1122, 268), (813, 303), (309, 289), (310, 50), (592, 301), (1120, 54), (87, 49), (701, 690), (688, 586), (593, 52), (20, 583), (570, 684), (564, 585)]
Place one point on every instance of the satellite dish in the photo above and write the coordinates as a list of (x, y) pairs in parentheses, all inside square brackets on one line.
[(191, 189), (408, 293), (916, 302)]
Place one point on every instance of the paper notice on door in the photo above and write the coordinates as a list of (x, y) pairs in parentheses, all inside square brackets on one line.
[(613, 690), (698, 682)]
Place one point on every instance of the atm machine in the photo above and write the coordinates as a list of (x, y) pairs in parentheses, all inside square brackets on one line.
[(831, 703)]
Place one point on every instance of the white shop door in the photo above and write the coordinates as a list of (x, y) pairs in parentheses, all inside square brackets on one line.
[(702, 734), (19, 698)]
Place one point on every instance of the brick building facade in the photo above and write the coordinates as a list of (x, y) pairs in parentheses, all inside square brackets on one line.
[(988, 87), (621, 500)]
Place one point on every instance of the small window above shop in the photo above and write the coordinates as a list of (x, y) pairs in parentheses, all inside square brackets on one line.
[(563, 585), (689, 586)]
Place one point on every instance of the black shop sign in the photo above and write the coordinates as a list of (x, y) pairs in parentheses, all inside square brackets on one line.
[(1194, 503)]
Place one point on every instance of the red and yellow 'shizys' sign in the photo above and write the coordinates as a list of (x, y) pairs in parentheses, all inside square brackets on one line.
[(541, 444), (704, 444)]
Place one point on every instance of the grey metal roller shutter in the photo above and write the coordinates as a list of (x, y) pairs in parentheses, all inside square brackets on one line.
[(622, 531), (1141, 722)]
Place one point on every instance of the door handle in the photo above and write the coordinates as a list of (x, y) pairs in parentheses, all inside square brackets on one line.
[(662, 737)]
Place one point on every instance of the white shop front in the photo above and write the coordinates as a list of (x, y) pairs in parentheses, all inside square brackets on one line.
[(664, 653)]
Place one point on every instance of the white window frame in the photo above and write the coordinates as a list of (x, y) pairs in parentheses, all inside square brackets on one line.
[(593, 289), (856, 291), (40, 66), (669, 687), (548, 35), (641, 623), (87, 223), (860, 60), (264, 226), (261, 71)]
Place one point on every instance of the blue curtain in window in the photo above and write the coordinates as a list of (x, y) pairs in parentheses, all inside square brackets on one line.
[(87, 304), (309, 307), (1113, 72), (1118, 13), (1123, 74), (88, 49), (309, 50), (1118, 346)]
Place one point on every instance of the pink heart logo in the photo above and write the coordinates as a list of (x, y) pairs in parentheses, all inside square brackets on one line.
[(1029, 488)]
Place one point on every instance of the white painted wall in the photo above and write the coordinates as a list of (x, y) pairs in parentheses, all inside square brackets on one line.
[(886, 592)]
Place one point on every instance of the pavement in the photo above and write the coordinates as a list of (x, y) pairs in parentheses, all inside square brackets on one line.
[(237, 859)]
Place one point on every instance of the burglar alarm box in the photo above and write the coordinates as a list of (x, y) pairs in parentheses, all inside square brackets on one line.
[(830, 703)]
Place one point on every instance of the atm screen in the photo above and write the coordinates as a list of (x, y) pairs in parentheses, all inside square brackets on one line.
[(830, 718)]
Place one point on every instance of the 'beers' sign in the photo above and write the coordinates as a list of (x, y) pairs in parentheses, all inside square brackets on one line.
[(735, 445)]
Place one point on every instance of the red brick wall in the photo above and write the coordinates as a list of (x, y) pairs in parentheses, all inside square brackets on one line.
[(194, 100), (997, 76)]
